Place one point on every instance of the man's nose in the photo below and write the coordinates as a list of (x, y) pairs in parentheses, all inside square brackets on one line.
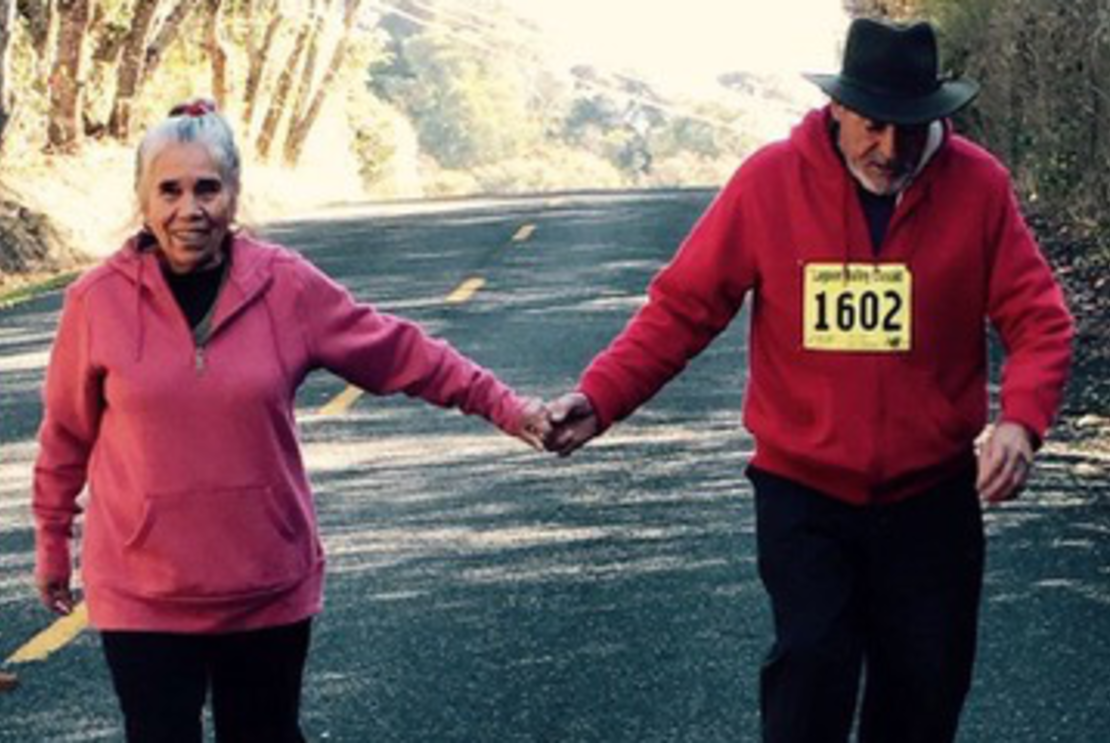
[(888, 142)]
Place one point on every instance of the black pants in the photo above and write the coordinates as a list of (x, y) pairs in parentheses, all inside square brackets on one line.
[(255, 677), (889, 594)]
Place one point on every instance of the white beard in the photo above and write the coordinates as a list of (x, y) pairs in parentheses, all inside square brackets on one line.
[(902, 182), (893, 186)]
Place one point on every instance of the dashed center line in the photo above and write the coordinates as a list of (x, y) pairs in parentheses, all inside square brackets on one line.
[(465, 290), (342, 402), (524, 233), (54, 637)]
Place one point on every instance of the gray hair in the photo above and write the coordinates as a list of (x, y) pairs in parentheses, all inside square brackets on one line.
[(196, 121)]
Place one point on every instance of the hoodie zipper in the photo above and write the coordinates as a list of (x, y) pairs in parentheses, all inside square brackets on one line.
[(160, 289), (204, 330)]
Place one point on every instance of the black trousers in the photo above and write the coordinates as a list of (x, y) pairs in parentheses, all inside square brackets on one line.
[(162, 680), (887, 595)]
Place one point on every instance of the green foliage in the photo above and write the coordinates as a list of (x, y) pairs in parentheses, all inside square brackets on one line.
[(379, 131), (489, 104), (469, 109), (554, 168)]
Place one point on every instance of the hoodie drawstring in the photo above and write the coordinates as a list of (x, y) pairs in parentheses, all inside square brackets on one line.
[(140, 335)]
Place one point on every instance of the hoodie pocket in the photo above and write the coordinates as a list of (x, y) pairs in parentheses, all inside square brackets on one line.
[(924, 426), (212, 544)]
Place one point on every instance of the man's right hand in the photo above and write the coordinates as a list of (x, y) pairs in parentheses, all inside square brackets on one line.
[(573, 423)]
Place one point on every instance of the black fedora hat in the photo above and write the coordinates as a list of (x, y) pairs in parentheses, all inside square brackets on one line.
[(890, 73)]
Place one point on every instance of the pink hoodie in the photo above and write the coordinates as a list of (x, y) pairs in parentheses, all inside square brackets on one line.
[(200, 517)]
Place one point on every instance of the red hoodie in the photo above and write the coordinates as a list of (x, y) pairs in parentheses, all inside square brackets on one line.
[(200, 516), (863, 421)]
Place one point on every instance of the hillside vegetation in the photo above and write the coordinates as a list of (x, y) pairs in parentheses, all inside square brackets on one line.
[(339, 100)]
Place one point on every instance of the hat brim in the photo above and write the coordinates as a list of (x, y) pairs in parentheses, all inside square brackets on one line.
[(950, 97)]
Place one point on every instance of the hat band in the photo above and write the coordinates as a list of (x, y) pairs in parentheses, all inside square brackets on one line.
[(900, 92)]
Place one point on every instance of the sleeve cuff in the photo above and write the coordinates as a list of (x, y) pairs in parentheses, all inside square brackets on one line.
[(52, 557)]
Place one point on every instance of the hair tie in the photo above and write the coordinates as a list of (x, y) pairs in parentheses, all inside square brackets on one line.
[(196, 108)]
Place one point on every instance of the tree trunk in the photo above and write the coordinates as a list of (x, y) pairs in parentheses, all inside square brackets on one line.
[(164, 36), (302, 126), (304, 89), (216, 52), (65, 87), (281, 94), (7, 21), (259, 54), (129, 72)]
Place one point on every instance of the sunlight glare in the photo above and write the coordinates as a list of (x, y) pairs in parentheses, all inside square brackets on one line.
[(685, 46)]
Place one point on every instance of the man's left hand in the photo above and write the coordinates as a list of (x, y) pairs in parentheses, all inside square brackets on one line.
[(1005, 461)]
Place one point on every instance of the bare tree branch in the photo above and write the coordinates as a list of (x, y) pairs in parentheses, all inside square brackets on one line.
[(304, 89), (216, 52), (299, 131), (282, 89), (258, 55), (130, 70), (164, 36)]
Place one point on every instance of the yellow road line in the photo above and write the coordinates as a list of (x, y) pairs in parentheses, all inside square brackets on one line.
[(54, 637), (524, 233), (465, 290), (342, 402)]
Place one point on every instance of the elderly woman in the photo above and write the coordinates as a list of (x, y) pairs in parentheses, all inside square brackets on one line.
[(170, 391)]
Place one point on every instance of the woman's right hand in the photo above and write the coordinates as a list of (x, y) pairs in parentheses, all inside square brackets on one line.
[(534, 427), (55, 595)]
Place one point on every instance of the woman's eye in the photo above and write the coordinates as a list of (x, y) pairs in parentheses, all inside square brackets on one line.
[(209, 188)]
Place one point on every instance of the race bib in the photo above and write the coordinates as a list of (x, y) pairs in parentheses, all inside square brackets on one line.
[(857, 307)]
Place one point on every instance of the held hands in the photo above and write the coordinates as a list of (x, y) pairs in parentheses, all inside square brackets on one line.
[(1005, 454), (561, 426), (572, 421), (534, 426)]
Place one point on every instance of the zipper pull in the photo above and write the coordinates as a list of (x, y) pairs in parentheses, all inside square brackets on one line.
[(200, 359)]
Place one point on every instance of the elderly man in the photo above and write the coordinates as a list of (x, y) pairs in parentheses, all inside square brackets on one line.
[(875, 243)]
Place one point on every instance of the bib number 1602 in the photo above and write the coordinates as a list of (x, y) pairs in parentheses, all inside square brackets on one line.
[(867, 310), (857, 307)]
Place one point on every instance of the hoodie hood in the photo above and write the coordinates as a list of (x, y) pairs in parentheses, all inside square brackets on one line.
[(251, 272), (813, 140), (250, 267)]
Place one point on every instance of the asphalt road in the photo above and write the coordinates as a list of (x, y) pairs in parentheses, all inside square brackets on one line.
[(480, 592)]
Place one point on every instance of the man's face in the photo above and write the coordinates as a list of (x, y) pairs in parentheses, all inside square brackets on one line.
[(880, 155)]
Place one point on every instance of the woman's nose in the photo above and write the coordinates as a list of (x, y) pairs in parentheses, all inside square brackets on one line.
[(190, 205)]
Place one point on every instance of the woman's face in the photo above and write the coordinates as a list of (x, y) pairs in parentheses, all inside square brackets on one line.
[(189, 207)]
